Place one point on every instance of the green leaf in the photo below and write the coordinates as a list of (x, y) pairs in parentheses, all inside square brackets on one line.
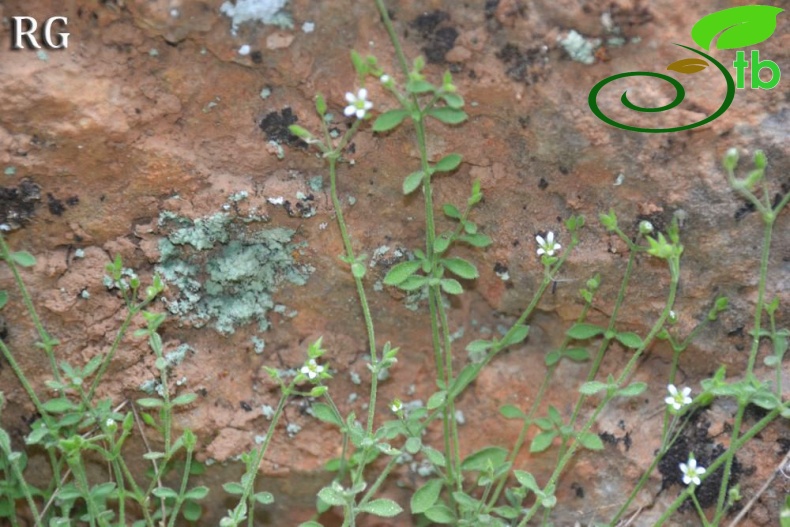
[(590, 441), (453, 100), (632, 390), (434, 456), (412, 182), (436, 400), (413, 283), (382, 507), (164, 493), (331, 496), (440, 514), (542, 441), (311, 523), (519, 334), (593, 387), (59, 405), (477, 346), (400, 272), (509, 411), (527, 480), (3, 299), (150, 402), (413, 445), (264, 498), (577, 354), (553, 357), (739, 27), (320, 104), (448, 115), (23, 258), (426, 496), (451, 286), (191, 511), (419, 86), (476, 240), (447, 163), (197, 493), (359, 64), (389, 120), (460, 267), (451, 211), (466, 376), (183, 399), (324, 412), (299, 132), (629, 339), (441, 244), (479, 461), (583, 331)]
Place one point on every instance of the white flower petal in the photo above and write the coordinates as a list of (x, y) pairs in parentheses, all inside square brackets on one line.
[(362, 94), (350, 110), (350, 97), (540, 240), (672, 390), (360, 113), (550, 238)]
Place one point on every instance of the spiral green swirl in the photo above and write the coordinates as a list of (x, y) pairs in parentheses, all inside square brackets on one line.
[(680, 93)]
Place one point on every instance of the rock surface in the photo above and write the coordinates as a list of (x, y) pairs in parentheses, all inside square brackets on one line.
[(152, 108)]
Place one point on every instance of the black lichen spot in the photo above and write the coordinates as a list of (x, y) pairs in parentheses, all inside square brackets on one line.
[(439, 40), (275, 126), (705, 452), (747, 208), (500, 268), (783, 442), (524, 66), (202, 392), (578, 489), (426, 23), (606, 437), (257, 57), (490, 8), (245, 406), (627, 441), (55, 206), (72, 201), (543, 184), (18, 204)]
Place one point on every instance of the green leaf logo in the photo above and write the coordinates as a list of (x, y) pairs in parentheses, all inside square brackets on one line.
[(739, 27)]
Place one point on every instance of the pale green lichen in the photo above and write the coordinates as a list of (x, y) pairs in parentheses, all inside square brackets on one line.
[(316, 183), (258, 344), (225, 270)]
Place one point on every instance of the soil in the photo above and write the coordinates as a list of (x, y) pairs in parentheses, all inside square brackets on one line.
[(153, 110)]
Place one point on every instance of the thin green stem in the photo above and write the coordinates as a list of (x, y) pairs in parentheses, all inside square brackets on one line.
[(47, 342)]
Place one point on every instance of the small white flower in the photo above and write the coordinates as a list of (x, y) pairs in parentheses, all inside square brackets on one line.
[(312, 369), (678, 400), (357, 104), (385, 79), (547, 246), (396, 406), (691, 472)]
